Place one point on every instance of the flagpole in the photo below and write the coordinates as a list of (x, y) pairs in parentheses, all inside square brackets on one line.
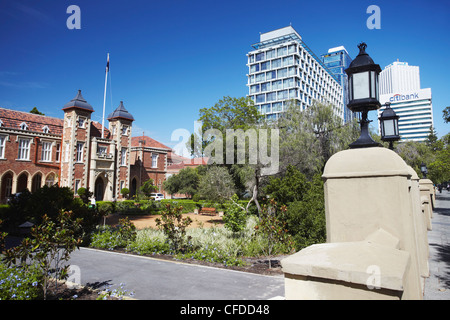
[(104, 98)]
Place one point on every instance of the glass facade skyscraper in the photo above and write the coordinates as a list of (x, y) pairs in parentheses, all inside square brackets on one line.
[(337, 60), (283, 68)]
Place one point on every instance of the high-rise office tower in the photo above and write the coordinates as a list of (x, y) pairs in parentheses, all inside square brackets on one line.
[(400, 86), (399, 77), (283, 68), (337, 60)]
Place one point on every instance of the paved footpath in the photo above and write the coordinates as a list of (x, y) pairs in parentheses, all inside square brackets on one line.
[(437, 286), (155, 279)]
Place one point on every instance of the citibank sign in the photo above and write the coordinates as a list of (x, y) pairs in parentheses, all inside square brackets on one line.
[(403, 97)]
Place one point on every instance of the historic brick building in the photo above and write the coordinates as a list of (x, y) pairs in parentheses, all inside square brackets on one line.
[(76, 152), (149, 160)]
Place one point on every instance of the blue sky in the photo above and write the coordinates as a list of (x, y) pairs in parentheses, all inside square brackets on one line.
[(170, 58)]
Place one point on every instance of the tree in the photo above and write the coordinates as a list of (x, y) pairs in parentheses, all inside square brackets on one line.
[(414, 153), (432, 140), (36, 111), (185, 182), (124, 192), (305, 218), (446, 114), (291, 187), (50, 245), (308, 138), (84, 194), (439, 168), (217, 184), (148, 187), (174, 227), (272, 228), (235, 216), (435, 153)]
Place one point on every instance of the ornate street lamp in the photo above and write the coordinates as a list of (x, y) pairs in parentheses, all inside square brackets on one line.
[(389, 125), (363, 93), (424, 170)]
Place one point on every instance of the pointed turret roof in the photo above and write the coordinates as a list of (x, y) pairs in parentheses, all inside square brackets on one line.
[(120, 112), (78, 102)]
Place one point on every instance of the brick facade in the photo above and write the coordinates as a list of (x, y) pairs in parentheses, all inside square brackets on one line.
[(37, 150)]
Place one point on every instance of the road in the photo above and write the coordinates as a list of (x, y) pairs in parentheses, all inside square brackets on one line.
[(155, 279)]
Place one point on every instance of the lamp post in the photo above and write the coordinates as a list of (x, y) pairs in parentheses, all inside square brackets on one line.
[(389, 125), (363, 93), (424, 170)]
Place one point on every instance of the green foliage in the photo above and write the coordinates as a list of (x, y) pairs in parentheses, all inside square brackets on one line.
[(308, 138), (216, 185), (36, 111), (212, 254), (149, 241), (17, 283), (148, 187), (106, 207), (184, 182), (433, 152), (50, 245), (174, 227), (124, 192), (272, 227), (235, 216), (291, 187), (84, 194), (49, 201), (114, 237), (228, 113), (305, 214), (306, 217), (446, 114)]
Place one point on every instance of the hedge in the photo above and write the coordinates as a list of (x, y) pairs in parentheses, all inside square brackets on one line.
[(154, 207)]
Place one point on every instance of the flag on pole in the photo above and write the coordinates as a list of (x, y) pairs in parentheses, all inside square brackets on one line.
[(104, 98)]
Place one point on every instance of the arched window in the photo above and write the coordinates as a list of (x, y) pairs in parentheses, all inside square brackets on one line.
[(50, 180), (36, 182)]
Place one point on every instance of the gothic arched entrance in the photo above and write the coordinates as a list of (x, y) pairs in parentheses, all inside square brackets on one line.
[(99, 191)]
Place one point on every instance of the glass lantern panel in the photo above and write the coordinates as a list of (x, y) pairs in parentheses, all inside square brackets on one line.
[(373, 93), (361, 85), (389, 128)]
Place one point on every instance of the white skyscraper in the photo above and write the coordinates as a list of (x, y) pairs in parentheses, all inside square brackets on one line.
[(400, 86), (283, 68), (399, 77)]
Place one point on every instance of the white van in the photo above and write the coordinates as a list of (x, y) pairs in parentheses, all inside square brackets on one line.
[(157, 196)]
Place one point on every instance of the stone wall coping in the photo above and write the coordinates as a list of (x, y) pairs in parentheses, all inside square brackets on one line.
[(352, 262)]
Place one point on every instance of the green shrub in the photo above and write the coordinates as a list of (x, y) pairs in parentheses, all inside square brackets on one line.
[(235, 217), (18, 283), (110, 238), (50, 245), (212, 254), (124, 192), (174, 227), (149, 241), (106, 207)]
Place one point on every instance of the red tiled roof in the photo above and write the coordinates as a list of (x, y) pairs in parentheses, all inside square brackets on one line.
[(96, 130), (175, 167), (148, 142), (196, 161), (35, 122)]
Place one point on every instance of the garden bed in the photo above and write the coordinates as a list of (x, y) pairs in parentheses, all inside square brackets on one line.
[(147, 221)]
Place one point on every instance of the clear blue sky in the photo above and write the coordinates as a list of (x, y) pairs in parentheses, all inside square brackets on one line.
[(170, 58)]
